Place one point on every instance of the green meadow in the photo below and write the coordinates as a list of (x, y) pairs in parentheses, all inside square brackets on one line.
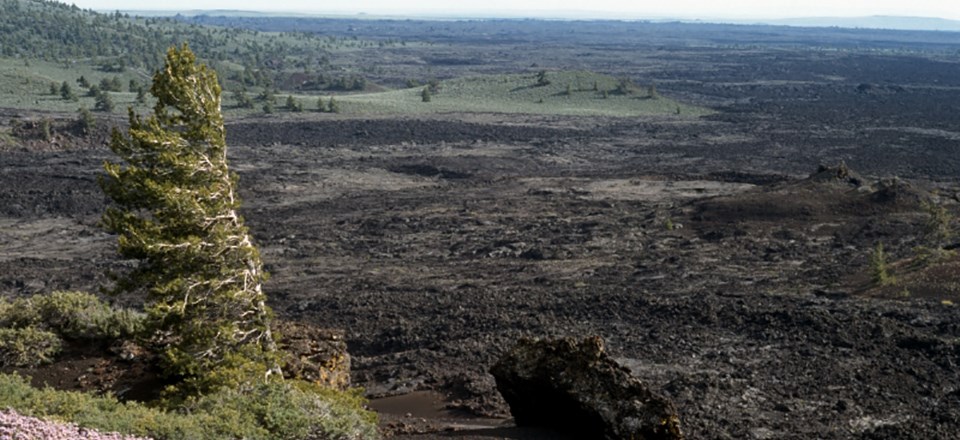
[(26, 84), (568, 93)]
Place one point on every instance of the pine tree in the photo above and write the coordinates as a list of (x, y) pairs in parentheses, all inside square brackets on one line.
[(175, 210), (293, 105), (240, 96), (103, 102), (67, 93), (85, 120), (425, 94), (542, 79)]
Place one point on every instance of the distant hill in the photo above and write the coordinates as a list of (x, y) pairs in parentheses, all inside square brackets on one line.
[(55, 31), (874, 22), (214, 12), (58, 32), (869, 22), (61, 38)]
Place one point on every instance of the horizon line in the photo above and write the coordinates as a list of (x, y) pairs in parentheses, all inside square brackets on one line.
[(952, 25)]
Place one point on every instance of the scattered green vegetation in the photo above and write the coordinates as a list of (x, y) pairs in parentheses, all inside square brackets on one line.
[(23, 87), (269, 411), (669, 225), (115, 43), (175, 211), (94, 54), (521, 93), (48, 42)]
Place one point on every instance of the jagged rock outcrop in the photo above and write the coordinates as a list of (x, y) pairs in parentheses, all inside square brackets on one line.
[(314, 354), (839, 174), (575, 386)]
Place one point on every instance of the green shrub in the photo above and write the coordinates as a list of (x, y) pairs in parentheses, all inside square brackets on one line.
[(272, 411), (102, 413), (28, 347), (19, 313), (32, 329), (288, 410), (79, 315), (927, 256), (72, 315)]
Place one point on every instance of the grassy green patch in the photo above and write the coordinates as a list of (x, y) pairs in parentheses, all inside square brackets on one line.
[(27, 85), (576, 93), (273, 411), (568, 93)]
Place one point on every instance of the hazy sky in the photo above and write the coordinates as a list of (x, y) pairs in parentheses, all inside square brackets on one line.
[(625, 8)]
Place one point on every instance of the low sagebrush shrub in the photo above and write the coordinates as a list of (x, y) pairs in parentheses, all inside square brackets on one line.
[(925, 256), (28, 346), (269, 411), (288, 410), (81, 315), (32, 329), (72, 315)]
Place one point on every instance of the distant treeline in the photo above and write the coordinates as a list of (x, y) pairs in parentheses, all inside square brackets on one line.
[(58, 32)]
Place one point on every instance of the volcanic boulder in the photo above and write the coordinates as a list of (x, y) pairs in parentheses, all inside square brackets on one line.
[(575, 386), (314, 354)]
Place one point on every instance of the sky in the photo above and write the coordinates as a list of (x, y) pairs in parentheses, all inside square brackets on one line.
[(686, 9)]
